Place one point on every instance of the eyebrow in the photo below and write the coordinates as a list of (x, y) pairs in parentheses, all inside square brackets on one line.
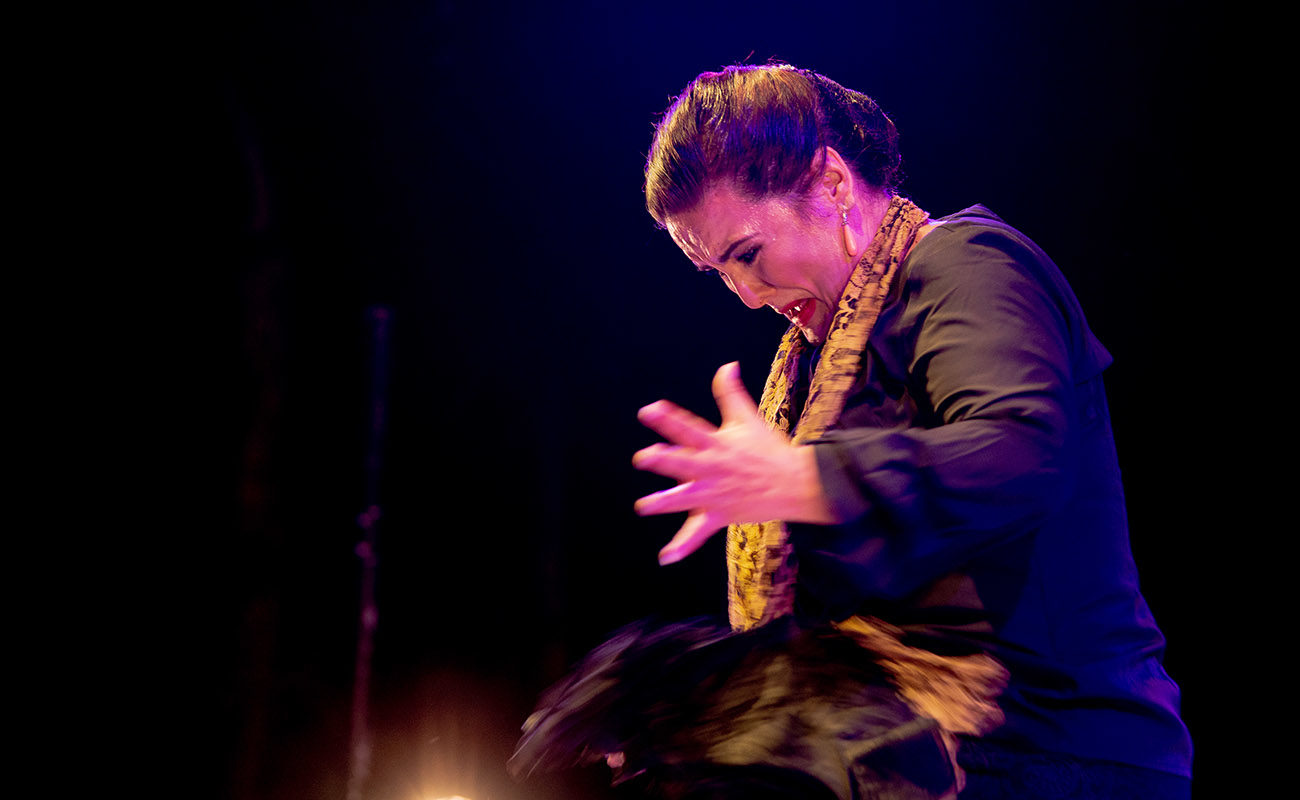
[(726, 254)]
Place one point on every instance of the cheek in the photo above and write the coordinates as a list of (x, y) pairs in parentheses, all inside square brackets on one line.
[(828, 265), (807, 267), (810, 258)]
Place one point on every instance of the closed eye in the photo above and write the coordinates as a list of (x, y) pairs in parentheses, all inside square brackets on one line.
[(749, 255)]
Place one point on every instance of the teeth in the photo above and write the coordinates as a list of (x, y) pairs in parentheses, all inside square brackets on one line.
[(792, 312)]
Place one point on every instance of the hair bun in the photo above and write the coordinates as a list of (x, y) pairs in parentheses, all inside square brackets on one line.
[(764, 128)]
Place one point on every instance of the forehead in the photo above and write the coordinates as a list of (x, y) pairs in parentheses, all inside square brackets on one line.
[(723, 216)]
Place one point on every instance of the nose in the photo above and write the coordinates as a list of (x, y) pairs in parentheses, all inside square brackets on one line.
[(748, 288)]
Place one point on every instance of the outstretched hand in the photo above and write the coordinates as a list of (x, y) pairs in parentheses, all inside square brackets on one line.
[(740, 471)]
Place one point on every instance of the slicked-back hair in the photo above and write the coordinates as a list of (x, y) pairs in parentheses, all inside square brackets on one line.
[(765, 129)]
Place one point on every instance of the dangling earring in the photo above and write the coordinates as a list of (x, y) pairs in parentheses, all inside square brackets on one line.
[(849, 241)]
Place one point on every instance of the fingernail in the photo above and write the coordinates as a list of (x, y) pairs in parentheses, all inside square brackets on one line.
[(667, 556)]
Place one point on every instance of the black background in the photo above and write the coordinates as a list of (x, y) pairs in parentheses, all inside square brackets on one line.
[(475, 168)]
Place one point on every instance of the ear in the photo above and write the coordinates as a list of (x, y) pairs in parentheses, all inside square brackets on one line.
[(838, 189), (837, 183)]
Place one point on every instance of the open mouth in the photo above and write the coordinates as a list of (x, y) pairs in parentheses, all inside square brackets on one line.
[(800, 311)]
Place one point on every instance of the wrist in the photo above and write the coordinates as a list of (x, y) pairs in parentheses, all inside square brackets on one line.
[(813, 504)]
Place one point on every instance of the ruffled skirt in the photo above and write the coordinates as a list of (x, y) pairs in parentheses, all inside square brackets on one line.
[(693, 710)]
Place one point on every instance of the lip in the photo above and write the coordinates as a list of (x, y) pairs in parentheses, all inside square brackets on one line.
[(800, 312)]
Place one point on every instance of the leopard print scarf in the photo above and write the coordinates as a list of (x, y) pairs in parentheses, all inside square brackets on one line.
[(956, 692)]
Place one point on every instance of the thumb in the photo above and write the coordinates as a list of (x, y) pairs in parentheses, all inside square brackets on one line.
[(731, 395)]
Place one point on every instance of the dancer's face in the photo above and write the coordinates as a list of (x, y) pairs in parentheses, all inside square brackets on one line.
[(786, 253)]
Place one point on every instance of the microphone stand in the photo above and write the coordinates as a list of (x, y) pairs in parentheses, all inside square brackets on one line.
[(379, 319)]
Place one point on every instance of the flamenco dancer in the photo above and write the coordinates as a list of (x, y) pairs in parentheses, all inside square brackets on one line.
[(931, 591)]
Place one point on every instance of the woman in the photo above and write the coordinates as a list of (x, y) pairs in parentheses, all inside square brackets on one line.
[(933, 437)]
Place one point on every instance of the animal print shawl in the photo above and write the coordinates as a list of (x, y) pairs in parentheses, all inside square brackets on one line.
[(956, 692)]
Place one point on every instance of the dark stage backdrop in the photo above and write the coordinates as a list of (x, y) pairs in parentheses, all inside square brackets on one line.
[(476, 169)]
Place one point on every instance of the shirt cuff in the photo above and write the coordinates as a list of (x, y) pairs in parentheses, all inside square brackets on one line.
[(843, 492)]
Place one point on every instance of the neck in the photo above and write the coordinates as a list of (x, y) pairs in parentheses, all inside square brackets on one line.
[(864, 220)]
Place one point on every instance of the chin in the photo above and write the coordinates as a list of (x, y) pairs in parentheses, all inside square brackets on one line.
[(817, 333), (813, 337)]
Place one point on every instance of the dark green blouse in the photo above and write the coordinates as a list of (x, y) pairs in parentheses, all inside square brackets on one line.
[(976, 469)]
